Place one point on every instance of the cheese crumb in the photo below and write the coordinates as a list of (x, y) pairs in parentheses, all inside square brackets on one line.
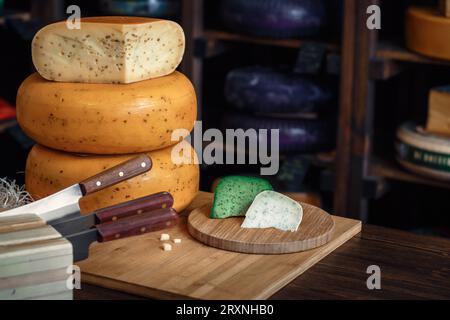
[(176, 240), (164, 237), (167, 247)]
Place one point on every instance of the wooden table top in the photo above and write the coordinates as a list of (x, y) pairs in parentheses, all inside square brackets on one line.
[(412, 267)]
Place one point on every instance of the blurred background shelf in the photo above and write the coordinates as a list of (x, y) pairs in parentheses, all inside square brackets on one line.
[(390, 169), (390, 50), (216, 35), (24, 16)]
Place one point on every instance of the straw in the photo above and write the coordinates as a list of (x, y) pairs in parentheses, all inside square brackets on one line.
[(12, 195)]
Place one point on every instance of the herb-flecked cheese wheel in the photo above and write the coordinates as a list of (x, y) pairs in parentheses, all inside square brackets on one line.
[(422, 152), (108, 50), (428, 32), (106, 118), (49, 171)]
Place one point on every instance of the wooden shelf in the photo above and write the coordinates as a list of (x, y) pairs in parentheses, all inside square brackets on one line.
[(24, 16), (392, 51), (390, 55), (386, 50), (389, 169), (214, 35)]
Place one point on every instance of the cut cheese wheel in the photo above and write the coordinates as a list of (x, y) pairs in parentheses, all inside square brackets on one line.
[(427, 32), (106, 118), (48, 171), (271, 209), (439, 111), (108, 50), (423, 153)]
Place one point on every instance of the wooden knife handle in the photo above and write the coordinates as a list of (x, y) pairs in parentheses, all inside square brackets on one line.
[(119, 173), (137, 225), (161, 200)]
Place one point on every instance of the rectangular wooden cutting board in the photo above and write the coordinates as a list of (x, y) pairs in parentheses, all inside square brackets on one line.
[(193, 270)]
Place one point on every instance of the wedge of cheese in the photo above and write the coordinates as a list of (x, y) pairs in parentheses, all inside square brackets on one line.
[(48, 171), (108, 50), (439, 111), (271, 209), (234, 194), (106, 118)]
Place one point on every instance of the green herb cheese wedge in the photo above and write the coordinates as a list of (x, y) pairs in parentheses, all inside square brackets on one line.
[(271, 209), (234, 194)]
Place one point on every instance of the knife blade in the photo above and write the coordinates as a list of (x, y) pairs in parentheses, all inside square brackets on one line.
[(65, 202), (127, 227), (149, 203)]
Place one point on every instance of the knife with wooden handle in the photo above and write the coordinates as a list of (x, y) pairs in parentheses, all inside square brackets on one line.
[(127, 227), (149, 203), (161, 200), (65, 202)]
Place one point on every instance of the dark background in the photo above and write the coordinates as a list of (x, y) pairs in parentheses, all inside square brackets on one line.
[(421, 208)]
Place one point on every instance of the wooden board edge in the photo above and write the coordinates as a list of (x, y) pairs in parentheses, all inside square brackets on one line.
[(29, 236), (55, 262), (129, 288), (213, 241), (32, 291), (20, 222), (278, 248), (330, 247), (34, 278), (63, 295)]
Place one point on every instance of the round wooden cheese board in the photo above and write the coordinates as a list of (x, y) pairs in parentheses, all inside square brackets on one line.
[(315, 230)]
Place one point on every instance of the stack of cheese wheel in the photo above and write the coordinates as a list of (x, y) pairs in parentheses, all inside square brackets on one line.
[(422, 152), (103, 93)]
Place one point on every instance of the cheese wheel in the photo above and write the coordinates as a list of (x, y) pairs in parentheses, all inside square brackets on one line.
[(423, 153), (106, 118), (108, 50), (428, 32), (49, 171)]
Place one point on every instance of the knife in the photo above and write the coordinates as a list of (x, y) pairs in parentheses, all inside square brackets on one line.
[(65, 202), (149, 203), (127, 227)]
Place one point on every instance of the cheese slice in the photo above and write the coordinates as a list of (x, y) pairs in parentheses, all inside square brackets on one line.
[(108, 50), (49, 171), (271, 209), (106, 118)]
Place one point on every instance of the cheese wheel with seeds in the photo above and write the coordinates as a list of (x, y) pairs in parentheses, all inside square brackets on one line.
[(106, 118), (108, 50), (49, 171)]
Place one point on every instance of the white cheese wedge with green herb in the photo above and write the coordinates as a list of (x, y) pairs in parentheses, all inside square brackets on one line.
[(271, 209), (108, 50)]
